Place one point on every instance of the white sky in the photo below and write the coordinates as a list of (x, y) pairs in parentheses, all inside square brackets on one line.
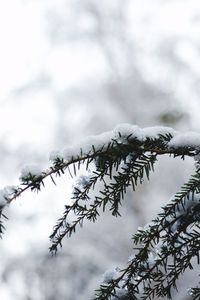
[(174, 25), (23, 43)]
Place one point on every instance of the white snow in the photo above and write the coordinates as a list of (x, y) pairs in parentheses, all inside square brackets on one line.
[(128, 129), (31, 169), (113, 274), (97, 141), (190, 292), (154, 132), (120, 133), (110, 275), (120, 293), (188, 139), (83, 181)]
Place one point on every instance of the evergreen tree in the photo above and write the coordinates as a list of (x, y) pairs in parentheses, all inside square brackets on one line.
[(162, 250)]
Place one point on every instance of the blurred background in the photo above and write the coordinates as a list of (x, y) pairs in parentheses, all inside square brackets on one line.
[(73, 68)]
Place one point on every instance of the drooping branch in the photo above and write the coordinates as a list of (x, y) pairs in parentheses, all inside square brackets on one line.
[(114, 161), (158, 140)]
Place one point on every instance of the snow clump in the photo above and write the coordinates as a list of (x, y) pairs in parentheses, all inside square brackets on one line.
[(188, 139), (33, 170), (83, 181), (6, 194), (110, 275)]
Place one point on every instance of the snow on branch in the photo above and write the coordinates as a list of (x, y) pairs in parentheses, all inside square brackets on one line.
[(124, 138), (115, 161)]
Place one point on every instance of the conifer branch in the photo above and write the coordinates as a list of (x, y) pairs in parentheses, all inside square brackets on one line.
[(161, 231), (163, 249), (111, 194), (157, 146)]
